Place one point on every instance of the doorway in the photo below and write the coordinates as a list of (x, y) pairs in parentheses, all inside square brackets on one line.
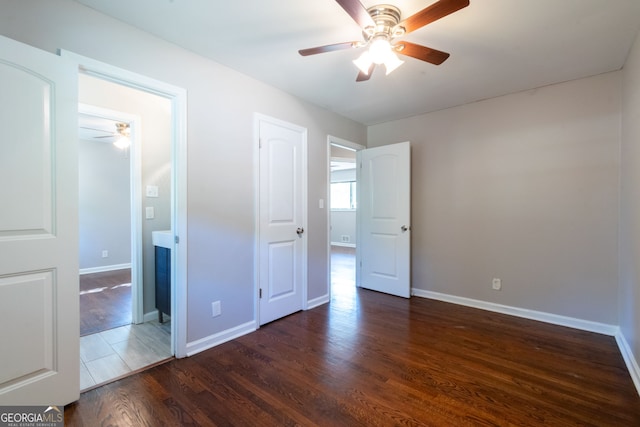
[(121, 216), (342, 212), (174, 236), (107, 245)]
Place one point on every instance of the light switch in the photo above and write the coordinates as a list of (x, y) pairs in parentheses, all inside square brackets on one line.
[(150, 213), (152, 191), (321, 203)]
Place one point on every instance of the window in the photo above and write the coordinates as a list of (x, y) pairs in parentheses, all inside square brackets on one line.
[(343, 195)]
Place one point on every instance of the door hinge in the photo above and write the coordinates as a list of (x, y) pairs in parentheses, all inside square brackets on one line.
[(260, 292), (176, 239), (259, 142)]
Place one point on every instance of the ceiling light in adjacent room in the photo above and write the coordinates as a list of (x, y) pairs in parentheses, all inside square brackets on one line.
[(123, 130), (123, 142)]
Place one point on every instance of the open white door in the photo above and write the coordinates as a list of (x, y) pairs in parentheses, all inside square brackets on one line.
[(282, 219), (384, 213), (38, 228)]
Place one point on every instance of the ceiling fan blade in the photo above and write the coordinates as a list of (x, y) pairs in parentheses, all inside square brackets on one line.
[(358, 12), (328, 48), (362, 77), (422, 53), (432, 13), (97, 130)]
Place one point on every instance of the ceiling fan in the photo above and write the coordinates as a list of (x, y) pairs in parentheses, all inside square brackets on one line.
[(122, 133), (381, 29)]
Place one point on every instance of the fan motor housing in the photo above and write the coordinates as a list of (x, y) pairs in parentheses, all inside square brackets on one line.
[(386, 17)]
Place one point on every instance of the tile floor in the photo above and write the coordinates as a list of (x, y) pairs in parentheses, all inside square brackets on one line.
[(116, 352)]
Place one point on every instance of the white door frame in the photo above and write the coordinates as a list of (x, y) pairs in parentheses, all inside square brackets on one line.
[(334, 140), (257, 118), (135, 196), (178, 98)]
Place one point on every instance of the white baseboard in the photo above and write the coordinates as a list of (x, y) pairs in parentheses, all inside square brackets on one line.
[(104, 268), (346, 245), (629, 359), (316, 302), (585, 325), (219, 338), (153, 315)]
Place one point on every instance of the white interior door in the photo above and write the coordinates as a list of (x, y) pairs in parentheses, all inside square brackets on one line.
[(39, 292), (384, 213), (282, 219)]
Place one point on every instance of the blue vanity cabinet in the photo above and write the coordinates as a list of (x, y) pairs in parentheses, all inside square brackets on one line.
[(163, 281)]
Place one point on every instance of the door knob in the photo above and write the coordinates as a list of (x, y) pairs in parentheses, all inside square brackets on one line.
[(300, 230), (404, 228)]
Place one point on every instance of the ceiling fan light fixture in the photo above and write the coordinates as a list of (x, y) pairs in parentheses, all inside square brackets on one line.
[(364, 62), (383, 24), (392, 62), (123, 142), (380, 49)]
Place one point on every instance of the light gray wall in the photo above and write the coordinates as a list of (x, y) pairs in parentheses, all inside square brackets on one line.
[(524, 188), (343, 223), (221, 104), (155, 159), (104, 205), (630, 203)]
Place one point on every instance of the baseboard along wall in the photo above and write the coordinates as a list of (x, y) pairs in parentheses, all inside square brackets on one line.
[(104, 268)]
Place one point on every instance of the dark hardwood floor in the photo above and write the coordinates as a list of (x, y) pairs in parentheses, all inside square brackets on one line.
[(105, 301), (343, 266), (369, 359)]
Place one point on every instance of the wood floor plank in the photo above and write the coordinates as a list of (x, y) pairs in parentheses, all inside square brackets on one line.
[(105, 301), (369, 359)]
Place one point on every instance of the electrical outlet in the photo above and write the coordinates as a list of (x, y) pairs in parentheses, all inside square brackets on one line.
[(216, 310), (105, 254), (496, 284), (152, 191)]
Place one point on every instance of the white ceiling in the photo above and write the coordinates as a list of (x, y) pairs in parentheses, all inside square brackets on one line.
[(496, 46)]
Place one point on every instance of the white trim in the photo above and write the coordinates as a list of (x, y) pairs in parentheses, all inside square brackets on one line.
[(206, 343), (256, 225), (257, 118), (344, 245), (629, 359), (317, 302), (104, 268), (152, 316), (135, 198), (178, 98), (585, 325)]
